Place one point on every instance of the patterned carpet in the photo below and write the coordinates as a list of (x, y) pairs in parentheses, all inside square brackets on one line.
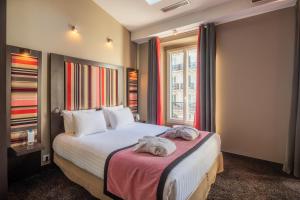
[(243, 179), (251, 179)]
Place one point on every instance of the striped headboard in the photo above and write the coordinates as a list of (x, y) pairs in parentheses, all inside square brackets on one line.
[(78, 84), (88, 86)]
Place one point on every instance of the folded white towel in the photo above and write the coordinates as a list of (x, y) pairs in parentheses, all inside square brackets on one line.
[(155, 145), (184, 132)]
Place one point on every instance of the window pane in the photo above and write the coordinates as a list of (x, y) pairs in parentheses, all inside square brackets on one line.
[(191, 88), (176, 86)]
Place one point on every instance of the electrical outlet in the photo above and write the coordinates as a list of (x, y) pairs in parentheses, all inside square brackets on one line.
[(46, 158)]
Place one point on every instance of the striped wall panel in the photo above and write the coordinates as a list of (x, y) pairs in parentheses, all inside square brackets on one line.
[(132, 89), (24, 98), (89, 86)]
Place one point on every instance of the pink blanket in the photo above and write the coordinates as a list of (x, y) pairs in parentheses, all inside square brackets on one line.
[(141, 176)]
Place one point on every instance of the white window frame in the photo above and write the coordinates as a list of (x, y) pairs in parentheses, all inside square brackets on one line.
[(185, 79)]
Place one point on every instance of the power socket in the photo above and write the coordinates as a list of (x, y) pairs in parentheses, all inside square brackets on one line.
[(46, 158)]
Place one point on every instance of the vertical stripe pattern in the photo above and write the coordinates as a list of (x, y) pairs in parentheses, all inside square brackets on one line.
[(24, 98), (89, 86), (132, 89)]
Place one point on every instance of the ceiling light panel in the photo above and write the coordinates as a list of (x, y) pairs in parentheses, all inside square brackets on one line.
[(175, 5), (151, 2)]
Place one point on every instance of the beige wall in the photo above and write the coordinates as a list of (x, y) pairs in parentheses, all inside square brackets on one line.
[(44, 25), (254, 77), (143, 79), (254, 83)]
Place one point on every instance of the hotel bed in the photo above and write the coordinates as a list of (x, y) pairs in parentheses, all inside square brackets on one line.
[(87, 155), (84, 159)]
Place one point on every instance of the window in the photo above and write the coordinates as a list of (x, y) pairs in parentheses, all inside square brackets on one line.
[(181, 85)]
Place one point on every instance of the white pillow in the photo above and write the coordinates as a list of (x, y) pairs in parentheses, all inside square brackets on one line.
[(119, 118), (68, 119), (89, 123), (106, 113)]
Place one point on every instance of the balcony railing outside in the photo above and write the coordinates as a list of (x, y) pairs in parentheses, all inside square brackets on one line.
[(192, 65), (192, 86), (177, 109), (177, 86), (177, 67)]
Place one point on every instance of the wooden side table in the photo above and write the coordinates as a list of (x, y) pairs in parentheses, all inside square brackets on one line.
[(24, 161)]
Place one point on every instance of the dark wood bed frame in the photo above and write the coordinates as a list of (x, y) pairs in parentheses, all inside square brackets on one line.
[(56, 81), (3, 103)]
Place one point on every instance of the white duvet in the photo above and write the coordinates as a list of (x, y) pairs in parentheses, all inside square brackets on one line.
[(90, 152)]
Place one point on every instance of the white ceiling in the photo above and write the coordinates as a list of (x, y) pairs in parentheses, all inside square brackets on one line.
[(145, 21), (135, 14)]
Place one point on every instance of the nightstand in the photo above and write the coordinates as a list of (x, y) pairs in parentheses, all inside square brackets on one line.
[(24, 161)]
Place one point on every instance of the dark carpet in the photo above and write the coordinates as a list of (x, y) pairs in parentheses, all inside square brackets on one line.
[(243, 179)]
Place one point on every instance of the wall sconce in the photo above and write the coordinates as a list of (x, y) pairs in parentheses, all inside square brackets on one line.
[(74, 29), (175, 32), (25, 52), (109, 41)]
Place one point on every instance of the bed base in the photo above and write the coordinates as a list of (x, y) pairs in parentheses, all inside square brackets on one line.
[(94, 185)]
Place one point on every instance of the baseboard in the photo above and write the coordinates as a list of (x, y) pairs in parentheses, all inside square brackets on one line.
[(273, 164)]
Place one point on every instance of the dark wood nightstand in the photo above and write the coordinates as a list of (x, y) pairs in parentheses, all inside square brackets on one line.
[(24, 161)]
